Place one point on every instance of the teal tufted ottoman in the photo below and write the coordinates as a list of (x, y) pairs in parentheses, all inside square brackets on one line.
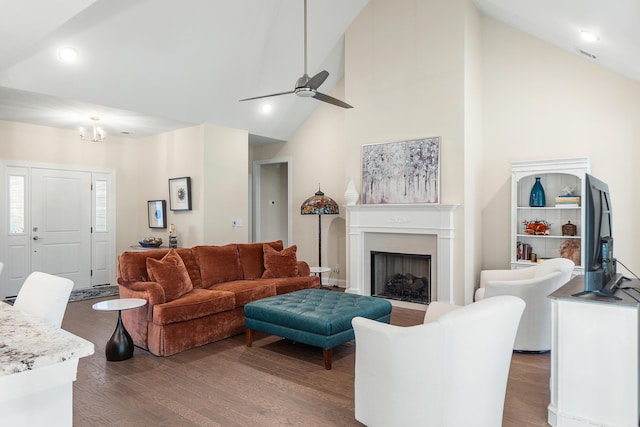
[(313, 316)]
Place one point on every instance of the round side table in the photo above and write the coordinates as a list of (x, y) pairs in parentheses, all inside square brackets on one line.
[(120, 345), (319, 270)]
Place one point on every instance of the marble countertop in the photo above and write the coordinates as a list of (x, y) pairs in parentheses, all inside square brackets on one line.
[(27, 343)]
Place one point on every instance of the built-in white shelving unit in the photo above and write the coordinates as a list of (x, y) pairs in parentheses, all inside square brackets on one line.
[(555, 175)]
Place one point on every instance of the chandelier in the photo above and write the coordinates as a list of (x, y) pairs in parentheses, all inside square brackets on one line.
[(98, 132)]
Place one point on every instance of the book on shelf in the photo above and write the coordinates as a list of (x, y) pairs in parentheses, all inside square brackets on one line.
[(568, 201)]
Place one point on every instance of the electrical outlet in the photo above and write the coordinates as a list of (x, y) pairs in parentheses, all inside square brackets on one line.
[(337, 268)]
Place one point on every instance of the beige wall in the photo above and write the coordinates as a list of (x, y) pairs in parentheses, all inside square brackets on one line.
[(318, 151), (214, 157), (405, 76), (541, 102), (173, 155), (413, 69), (473, 150), (52, 146), (225, 193)]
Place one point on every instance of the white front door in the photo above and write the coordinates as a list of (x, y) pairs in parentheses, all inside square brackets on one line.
[(61, 224), (58, 220)]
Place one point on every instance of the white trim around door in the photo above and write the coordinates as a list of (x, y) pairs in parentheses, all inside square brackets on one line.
[(21, 241)]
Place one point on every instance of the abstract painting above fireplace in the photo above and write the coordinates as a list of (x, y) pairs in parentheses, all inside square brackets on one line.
[(401, 172)]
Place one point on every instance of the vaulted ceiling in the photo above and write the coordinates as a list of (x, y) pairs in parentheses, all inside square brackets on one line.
[(149, 66)]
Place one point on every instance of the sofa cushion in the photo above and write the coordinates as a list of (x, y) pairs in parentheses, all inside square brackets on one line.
[(246, 291), (218, 263), (195, 304), (280, 263), (170, 273), (252, 258), (285, 285)]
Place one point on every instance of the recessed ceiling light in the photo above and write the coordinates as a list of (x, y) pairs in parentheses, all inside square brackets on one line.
[(68, 54), (590, 37), (266, 108)]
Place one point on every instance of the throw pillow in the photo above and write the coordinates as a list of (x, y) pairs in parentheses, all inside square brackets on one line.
[(252, 258), (280, 263), (170, 273), (218, 263)]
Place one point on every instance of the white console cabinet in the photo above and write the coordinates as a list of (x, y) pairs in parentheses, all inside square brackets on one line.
[(594, 359), (555, 175)]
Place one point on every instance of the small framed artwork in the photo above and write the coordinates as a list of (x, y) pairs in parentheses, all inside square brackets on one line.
[(180, 194), (157, 211)]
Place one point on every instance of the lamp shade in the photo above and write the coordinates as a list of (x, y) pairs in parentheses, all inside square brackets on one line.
[(319, 204)]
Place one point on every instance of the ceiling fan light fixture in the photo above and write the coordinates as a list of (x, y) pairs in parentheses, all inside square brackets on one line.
[(305, 92), (266, 108)]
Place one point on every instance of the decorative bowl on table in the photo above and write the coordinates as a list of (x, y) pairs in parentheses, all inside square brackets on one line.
[(151, 242)]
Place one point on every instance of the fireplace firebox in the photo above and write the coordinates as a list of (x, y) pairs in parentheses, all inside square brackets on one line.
[(400, 276)]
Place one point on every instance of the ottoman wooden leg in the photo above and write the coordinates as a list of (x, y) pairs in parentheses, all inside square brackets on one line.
[(328, 354), (248, 337)]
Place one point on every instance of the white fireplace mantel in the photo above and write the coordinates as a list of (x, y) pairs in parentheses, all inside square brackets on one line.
[(411, 219)]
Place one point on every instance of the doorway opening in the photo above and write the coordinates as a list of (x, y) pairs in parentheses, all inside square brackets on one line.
[(271, 212)]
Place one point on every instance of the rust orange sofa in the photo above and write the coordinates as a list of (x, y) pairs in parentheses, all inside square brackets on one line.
[(196, 296)]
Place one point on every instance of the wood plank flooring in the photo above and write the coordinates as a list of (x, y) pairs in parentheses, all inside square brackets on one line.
[(274, 383)]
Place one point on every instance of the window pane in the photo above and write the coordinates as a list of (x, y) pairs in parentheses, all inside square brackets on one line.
[(101, 206), (16, 204)]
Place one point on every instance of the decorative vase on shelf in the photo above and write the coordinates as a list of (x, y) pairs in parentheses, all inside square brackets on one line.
[(536, 198), (351, 195)]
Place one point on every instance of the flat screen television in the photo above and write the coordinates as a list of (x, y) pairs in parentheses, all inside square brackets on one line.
[(600, 275)]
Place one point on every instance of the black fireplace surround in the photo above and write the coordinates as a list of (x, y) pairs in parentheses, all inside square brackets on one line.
[(399, 276)]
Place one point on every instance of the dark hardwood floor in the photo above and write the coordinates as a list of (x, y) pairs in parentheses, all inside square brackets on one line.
[(274, 383)]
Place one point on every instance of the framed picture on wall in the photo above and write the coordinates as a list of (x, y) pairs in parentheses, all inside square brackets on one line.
[(401, 172), (157, 211), (180, 194)]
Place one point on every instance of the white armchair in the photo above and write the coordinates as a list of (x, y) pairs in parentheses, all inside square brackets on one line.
[(44, 296), (427, 375), (533, 285)]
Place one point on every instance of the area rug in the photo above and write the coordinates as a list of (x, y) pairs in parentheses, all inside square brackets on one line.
[(97, 292), (84, 294)]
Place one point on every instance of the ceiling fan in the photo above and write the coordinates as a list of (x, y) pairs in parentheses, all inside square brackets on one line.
[(306, 86)]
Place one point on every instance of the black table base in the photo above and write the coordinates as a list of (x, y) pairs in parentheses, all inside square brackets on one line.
[(120, 345)]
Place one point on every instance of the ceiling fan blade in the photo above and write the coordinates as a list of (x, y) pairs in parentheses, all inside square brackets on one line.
[(331, 100), (267, 96), (318, 79), (307, 87)]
